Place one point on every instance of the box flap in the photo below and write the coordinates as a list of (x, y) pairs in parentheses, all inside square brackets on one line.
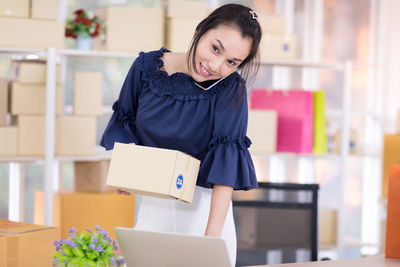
[(11, 228)]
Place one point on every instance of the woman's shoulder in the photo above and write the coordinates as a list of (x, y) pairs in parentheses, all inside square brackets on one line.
[(149, 61)]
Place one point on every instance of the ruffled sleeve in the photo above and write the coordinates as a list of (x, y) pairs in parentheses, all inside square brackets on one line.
[(121, 127), (228, 161)]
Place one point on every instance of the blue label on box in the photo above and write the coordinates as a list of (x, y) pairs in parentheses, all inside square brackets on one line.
[(179, 181)]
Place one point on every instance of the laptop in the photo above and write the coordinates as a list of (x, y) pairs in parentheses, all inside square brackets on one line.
[(159, 249)]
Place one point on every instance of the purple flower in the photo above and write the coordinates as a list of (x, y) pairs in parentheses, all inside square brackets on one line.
[(99, 248), (115, 246), (88, 229), (72, 230), (92, 246), (62, 252), (72, 235), (112, 259), (97, 227), (117, 253), (95, 240), (58, 248), (69, 242), (55, 242), (121, 261)]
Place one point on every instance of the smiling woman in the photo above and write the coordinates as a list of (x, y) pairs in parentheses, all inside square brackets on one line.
[(195, 102)]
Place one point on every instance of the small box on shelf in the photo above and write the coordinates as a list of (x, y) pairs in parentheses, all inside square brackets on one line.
[(187, 8), (14, 8), (44, 9), (278, 46), (180, 31), (272, 23), (91, 176), (32, 33), (75, 136), (8, 141), (88, 93), (32, 71), (31, 135), (128, 29), (30, 99)]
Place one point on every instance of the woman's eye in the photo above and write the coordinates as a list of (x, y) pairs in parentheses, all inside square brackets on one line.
[(215, 48), (231, 62)]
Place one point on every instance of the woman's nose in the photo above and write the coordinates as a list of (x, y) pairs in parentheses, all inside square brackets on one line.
[(215, 66)]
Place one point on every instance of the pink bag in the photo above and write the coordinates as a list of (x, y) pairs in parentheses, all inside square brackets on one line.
[(295, 117)]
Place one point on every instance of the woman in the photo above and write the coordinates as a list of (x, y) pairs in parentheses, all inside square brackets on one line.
[(195, 102)]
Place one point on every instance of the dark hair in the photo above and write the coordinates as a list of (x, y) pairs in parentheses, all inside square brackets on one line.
[(238, 16)]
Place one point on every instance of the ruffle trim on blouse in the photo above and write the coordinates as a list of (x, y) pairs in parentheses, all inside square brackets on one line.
[(228, 162), (242, 142), (125, 118), (179, 86)]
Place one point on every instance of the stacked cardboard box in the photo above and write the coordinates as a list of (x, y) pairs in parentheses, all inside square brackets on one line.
[(28, 104), (182, 19), (76, 133), (275, 43), (30, 23), (24, 244), (131, 29)]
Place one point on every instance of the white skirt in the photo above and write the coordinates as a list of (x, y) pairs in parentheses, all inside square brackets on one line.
[(167, 215)]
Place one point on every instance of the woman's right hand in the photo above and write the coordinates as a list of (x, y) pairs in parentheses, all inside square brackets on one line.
[(121, 192)]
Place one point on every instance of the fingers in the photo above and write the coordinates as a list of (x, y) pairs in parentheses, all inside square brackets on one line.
[(121, 192)]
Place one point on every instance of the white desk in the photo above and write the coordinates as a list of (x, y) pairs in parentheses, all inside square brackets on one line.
[(364, 262)]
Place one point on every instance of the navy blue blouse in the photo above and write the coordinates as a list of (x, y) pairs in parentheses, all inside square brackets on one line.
[(158, 110)]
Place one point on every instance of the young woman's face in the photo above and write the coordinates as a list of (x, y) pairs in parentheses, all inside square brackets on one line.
[(219, 52)]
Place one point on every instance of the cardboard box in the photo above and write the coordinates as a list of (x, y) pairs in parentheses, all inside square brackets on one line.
[(187, 8), (278, 46), (393, 214), (14, 8), (128, 29), (31, 33), (31, 135), (3, 250), (327, 227), (262, 130), (391, 156), (75, 136), (30, 99), (91, 175), (3, 101), (84, 210), (180, 31), (32, 71), (44, 9), (24, 244), (271, 23), (88, 93), (8, 141), (156, 172)]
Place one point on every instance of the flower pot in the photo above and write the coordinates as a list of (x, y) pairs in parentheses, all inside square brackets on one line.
[(83, 43)]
